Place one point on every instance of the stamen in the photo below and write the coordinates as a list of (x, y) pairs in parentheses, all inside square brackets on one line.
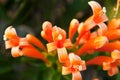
[(104, 9), (117, 7)]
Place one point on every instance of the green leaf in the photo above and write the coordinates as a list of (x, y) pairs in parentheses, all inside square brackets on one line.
[(47, 74), (118, 76), (5, 69)]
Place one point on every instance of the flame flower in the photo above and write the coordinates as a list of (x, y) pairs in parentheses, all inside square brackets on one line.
[(58, 36), (98, 18), (105, 38), (22, 46), (76, 65), (109, 63)]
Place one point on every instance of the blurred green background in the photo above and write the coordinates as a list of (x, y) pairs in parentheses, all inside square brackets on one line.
[(27, 16)]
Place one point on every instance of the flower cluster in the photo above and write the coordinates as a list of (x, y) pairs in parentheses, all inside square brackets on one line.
[(104, 38)]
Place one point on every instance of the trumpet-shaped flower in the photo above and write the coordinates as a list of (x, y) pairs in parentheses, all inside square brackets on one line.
[(109, 63), (93, 44), (76, 65), (22, 46), (11, 38), (98, 18), (25, 49), (60, 43)]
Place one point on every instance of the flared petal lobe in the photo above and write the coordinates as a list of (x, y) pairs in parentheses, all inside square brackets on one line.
[(96, 7), (98, 12), (59, 36), (62, 55), (76, 76), (16, 52), (75, 65), (10, 37)]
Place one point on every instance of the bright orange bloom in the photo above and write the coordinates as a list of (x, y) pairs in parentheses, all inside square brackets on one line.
[(25, 49), (76, 65), (21, 46), (60, 43), (11, 38), (59, 39), (97, 18), (109, 63), (93, 44), (112, 67)]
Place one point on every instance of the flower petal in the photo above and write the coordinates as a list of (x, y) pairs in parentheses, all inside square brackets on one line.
[(66, 70), (100, 41), (115, 54), (96, 7), (11, 38), (102, 28), (10, 32), (51, 46), (76, 76), (114, 70), (68, 43), (62, 55), (16, 52), (58, 34), (74, 59), (106, 65)]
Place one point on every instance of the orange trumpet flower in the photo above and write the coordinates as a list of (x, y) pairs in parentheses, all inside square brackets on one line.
[(98, 18), (22, 46), (60, 43), (25, 49), (76, 65), (93, 44), (109, 63), (10, 37)]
